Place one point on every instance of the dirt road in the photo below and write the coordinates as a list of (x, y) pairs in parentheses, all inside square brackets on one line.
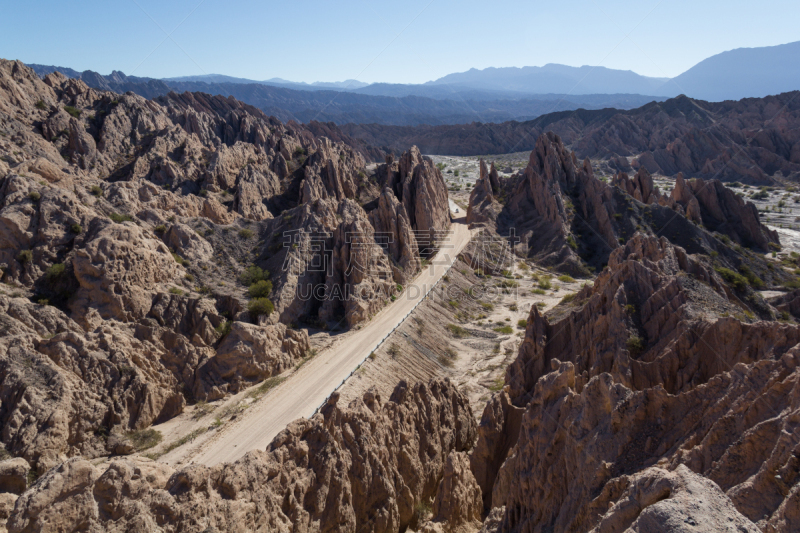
[(300, 395)]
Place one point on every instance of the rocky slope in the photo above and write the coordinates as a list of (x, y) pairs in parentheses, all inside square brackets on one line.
[(646, 406), (754, 140), (365, 467), (135, 231)]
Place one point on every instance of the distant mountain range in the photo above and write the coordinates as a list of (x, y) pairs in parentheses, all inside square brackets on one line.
[(343, 107), (488, 95)]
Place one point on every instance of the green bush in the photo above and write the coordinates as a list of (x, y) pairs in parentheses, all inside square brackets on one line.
[(161, 228), (25, 256), (176, 291), (253, 274), (96, 190), (75, 112), (260, 306), (246, 233), (752, 279), (738, 281), (41, 105), (145, 438), (35, 196), (76, 229), (505, 330), (457, 331), (522, 323), (224, 328), (635, 345), (260, 289), (119, 218), (178, 259), (55, 271), (566, 279)]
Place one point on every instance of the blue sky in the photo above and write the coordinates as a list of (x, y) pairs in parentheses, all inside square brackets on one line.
[(399, 42)]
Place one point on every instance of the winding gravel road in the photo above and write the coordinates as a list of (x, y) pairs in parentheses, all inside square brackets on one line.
[(300, 395)]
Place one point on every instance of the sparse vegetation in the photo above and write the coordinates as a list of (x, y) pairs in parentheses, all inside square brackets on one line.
[(266, 386), (74, 111), (260, 289), (76, 229), (522, 323), (635, 345), (566, 279), (505, 330), (144, 439), (120, 218), (96, 191), (260, 306), (253, 274), (25, 256), (55, 271), (457, 331), (35, 196), (735, 279), (246, 233)]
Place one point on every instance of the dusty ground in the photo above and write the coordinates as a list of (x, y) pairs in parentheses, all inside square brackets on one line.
[(470, 337)]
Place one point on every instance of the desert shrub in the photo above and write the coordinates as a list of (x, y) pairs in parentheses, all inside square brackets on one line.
[(260, 306), (119, 218), (566, 279), (35, 196), (55, 271), (161, 228), (96, 190), (253, 274), (457, 331), (751, 277), (145, 438), (260, 289), (738, 281), (75, 112), (246, 233), (25, 256), (522, 323), (76, 229), (41, 105), (505, 330), (176, 291), (178, 259), (224, 328), (568, 298), (635, 345)]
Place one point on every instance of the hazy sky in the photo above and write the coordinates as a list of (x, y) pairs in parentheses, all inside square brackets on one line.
[(400, 42)]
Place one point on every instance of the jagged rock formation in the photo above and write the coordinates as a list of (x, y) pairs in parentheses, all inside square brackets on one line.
[(708, 203), (457, 506), (559, 214), (554, 196), (482, 207), (640, 186), (719, 209), (420, 187), (125, 226), (647, 374), (361, 468)]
